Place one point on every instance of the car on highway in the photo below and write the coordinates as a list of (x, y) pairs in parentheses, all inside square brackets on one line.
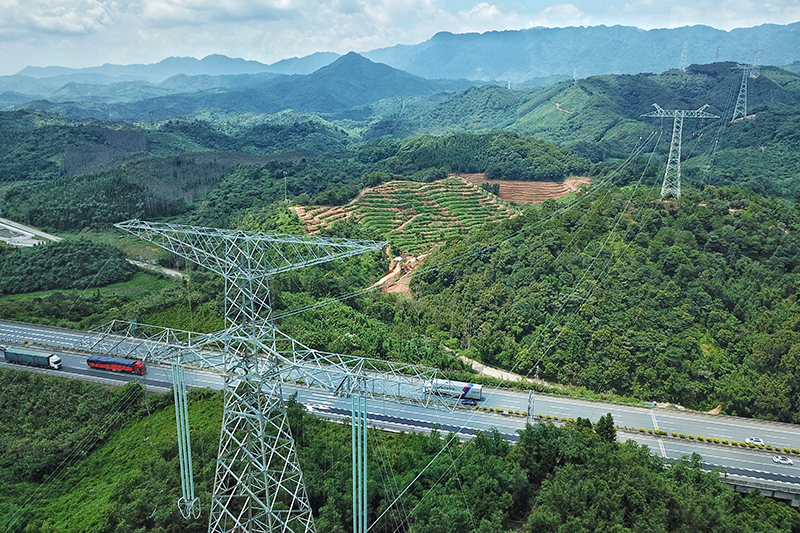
[(758, 441), (782, 460), (471, 403)]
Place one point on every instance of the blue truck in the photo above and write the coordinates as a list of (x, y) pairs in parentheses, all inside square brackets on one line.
[(29, 356)]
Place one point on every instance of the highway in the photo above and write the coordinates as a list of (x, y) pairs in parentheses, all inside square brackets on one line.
[(467, 421)]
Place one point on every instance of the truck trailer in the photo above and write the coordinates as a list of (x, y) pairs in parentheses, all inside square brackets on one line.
[(458, 389), (116, 364), (31, 357)]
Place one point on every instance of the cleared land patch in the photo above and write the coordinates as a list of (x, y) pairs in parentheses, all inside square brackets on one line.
[(529, 192)]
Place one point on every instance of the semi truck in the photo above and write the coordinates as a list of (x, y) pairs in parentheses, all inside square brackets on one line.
[(31, 357), (459, 389), (117, 364)]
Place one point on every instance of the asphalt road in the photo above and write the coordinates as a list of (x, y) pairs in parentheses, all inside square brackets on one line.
[(467, 421)]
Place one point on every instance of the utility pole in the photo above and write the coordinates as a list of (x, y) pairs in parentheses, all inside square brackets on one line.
[(672, 175)]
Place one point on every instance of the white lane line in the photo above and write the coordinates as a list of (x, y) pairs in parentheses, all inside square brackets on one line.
[(660, 440)]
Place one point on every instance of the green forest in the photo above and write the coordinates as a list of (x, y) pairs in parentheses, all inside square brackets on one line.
[(119, 447)]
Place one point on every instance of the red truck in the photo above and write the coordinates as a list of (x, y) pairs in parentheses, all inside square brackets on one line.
[(117, 364)]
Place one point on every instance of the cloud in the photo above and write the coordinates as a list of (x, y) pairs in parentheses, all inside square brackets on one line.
[(55, 16), (194, 12), (562, 15), (722, 14)]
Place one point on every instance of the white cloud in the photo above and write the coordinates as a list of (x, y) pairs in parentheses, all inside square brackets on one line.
[(55, 16), (562, 15)]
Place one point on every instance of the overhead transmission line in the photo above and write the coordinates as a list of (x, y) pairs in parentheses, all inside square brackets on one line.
[(637, 150), (594, 189)]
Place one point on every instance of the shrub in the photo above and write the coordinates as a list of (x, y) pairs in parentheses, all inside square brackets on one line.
[(524, 413), (742, 444), (724, 441), (795, 450), (682, 436), (541, 416), (516, 412), (751, 445), (709, 439), (650, 431), (734, 443), (760, 446), (564, 418), (511, 411), (769, 447), (691, 437), (787, 450), (549, 417), (641, 430), (699, 438), (674, 434)]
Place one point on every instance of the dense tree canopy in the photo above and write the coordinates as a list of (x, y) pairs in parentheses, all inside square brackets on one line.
[(68, 264)]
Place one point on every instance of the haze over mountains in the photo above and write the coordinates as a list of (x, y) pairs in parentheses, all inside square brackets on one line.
[(514, 56)]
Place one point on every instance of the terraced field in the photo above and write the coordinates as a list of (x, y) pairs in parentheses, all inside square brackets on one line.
[(415, 216)]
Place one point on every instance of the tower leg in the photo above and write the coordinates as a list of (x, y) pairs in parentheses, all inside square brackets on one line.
[(258, 487)]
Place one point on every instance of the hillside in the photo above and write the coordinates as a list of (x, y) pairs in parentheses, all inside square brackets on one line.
[(414, 216), (692, 302)]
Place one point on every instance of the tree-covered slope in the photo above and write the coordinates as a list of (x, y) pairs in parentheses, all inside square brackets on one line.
[(119, 472), (679, 303)]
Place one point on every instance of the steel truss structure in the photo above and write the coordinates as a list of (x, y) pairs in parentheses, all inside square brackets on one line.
[(672, 175), (748, 71), (258, 484)]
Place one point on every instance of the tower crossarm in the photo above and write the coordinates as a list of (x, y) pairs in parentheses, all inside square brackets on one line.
[(342, 375), (679, 113), (234, 252)]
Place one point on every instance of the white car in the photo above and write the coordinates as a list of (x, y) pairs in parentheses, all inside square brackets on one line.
[(782, 460), (758, 441)]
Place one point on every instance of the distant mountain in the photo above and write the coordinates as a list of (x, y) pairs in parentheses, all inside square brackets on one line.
[(349, 82), (212, 65), (517, 56), (304, 65)]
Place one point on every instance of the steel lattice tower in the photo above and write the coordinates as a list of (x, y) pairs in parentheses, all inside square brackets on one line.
[(258, 485), (672, 175), (752, 70)]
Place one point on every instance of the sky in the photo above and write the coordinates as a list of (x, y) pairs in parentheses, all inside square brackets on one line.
[(82, 33)]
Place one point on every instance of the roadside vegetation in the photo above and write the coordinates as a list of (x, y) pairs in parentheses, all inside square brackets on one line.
[(119, 446)]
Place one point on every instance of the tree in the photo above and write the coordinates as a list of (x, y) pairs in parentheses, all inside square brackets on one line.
[(605, 428)]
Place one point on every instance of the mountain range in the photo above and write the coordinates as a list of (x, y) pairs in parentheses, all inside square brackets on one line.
[(511, 56)]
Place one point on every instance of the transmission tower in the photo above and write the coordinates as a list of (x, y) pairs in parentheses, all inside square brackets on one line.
[(672, 175), (748, 71), (684, 57), (258, 485)]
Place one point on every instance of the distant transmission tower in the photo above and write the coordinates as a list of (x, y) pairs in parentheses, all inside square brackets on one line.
[(748, 71), (672, 176), (684, 57)]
